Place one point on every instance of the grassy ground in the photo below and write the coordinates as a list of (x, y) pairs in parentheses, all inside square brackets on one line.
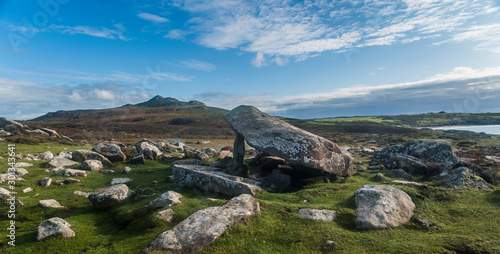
[(467, 220)]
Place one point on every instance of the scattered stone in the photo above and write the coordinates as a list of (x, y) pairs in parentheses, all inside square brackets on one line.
[(109, 197), (462, 177), (64, 154), (4, 133), (46, 170), (148, 149), (211, 179), (314, 214), (82, 155), (154, 182), (82, 193), (10, 177), (29, 189), (278, 138), (138, 159), (52, 227), (126, 170), (44, 156), (379, 177), (72, 172), (67, 181), (381, 206), (398, 173), (107, 171), (20, 171), (92, 165), (45, 182), (5, 198), (23, 165), (50, 203), (115, 181), (166, 215), (61, 162), (197, 155), (171, 157), (165, 200), (203, 227), (112, 151), (424, 224)]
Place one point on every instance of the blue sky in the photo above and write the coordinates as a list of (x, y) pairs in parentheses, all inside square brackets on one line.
[(302, 59)]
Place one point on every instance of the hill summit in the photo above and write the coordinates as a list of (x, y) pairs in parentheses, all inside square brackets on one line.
[(159, 101)]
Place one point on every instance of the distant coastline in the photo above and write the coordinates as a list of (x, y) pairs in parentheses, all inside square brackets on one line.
[(488, 129)]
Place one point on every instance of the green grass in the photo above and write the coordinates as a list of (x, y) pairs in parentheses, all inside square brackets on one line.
[(467, 220)]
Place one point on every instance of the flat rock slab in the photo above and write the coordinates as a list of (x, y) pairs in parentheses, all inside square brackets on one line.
[(53, 227), (115, 181), (278, 138), (166, 199), (211, 179), (381, 206), (72, 172), (315, 214), (203, 227), (50, 203), (110, 196), (23, 164), (61, 162)]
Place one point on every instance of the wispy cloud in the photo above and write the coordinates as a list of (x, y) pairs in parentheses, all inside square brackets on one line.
[(297, 30), (197, 65), (487, 36), (153, 18), (116, 34), (463, 89)]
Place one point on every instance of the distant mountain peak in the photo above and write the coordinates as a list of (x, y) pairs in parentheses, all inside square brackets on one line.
[(159, 101)]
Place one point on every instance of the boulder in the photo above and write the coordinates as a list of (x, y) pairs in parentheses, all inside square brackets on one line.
[(166, 215), (462, 177), (315, 214), (170, 157), (202, 228), (381, 206), (19, 171), (53, 227), (83, 155), (148, 148), (138, 159), (110, 196), (165, 200), (72, 172), (12, 126), (126, 170), (67, 181), (115, 181), (92, 165), (398, 173), (50, 203), (211, 179), (51, 132), (111, 151), (4, 133), (44, 156), (40, 132), (278, 138), (65, 154), (197, 155), (61, 162), (45, 182)]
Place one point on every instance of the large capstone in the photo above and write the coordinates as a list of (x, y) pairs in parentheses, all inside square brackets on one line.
[(108, 197), (278, 138)]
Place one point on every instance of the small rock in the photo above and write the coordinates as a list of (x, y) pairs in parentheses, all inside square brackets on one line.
[(165, 200), (72, 172), (67, 181), (20, 171), (45, 182), (126, 170), (82, 193), (120, 180), (107, 171), (154, 182), (54, 226), (92, 165), (314, 214), (27, 190), (424, 224), (166, 215), (23, 165), (50, 203), (45, 156), (379, 177)]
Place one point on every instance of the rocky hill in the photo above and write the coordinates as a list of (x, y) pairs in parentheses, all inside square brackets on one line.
[(157, 118)]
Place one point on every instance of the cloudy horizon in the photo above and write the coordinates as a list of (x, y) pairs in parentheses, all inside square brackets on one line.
[(302, 59)]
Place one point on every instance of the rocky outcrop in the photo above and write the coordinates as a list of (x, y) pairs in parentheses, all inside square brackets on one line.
[(92, 165), (112, 151), (12, 126), (110, 196), (211, 179), (53, 227), (315, 214), (203, 227), (278, 138), (166, 199), (462, 177), (381, 206), (83, 155)]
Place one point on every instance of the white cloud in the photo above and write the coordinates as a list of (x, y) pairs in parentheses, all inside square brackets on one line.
[(488, 36), (298, 30), (103, 32), (454, 91), (197, 65), (152, 17)]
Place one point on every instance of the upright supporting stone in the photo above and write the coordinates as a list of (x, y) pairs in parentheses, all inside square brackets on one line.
[(239, 149)]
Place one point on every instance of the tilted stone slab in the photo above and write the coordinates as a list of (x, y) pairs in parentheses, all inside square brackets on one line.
[(278, 138), (211, 179)]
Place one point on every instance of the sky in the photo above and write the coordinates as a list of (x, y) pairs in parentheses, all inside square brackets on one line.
[(301, 59)]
